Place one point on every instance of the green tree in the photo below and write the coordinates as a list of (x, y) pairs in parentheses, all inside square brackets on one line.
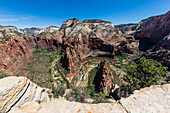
[(145, 73)]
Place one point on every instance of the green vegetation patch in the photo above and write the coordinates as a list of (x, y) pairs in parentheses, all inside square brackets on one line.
[(39, 71)]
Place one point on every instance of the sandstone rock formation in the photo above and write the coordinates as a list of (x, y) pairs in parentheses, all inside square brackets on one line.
[(32, 31), (154, 99), (14, 55), (154, 32), (127, 28), (103, 79), (92, 38), (162, 44), (36, 31), (149, 31), (17, 51), (19, 95), (78, 40), (10, 29), (17, 91), (50, 41), (132, 28)]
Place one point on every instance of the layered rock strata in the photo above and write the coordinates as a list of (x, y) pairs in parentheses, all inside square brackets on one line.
[(17, 51), (92, 38), (19, 95), (148, 31), (17, 91)]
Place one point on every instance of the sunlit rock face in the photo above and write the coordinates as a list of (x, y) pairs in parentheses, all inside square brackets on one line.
[(20, 95), (148, 31), (154, 99), (14, 54), (16, 49), (154, 32), (37, 31), (92, 38), (17, 91)]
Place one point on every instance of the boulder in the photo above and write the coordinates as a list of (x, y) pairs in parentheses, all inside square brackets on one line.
[(17, 91)]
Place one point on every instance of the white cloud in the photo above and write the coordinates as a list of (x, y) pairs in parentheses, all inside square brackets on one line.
[(8, 20)]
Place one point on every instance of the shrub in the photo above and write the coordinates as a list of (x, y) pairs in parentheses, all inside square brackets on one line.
[(50, 71), (145, 73), (100, 98), (59, 90), (2, 75), (78, 94), (50, 96)]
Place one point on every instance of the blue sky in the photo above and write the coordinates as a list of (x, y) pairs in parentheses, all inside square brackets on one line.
[(44, 13)]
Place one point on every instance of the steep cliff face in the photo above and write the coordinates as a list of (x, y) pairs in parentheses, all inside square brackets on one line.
[(132, 28), (17, 51), (78, 40), (127, 28), (49, 41), (154, 32), (149, 31), (92, 38), (162, 44), (17, 91), (103, 80), (161, 52), (14, 55)]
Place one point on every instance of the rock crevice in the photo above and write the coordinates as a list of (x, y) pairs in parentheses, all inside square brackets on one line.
[(16, 91)]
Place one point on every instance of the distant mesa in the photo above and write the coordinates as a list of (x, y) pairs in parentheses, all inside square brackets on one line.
[(96, 21)]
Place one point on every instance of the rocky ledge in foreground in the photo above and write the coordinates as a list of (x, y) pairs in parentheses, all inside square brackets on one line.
[(19, 95), (153, 99), (18, 91)]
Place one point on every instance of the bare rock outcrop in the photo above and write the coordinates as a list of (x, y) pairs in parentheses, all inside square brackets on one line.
[(14, 55), (75, 107), (10, 29), (18, 91), (154, 32), (154, 99), (92, 38), (16, 51), (32, 31), (37, 31), (162, 44), (103, 79), (148, 31), (19, 95)]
